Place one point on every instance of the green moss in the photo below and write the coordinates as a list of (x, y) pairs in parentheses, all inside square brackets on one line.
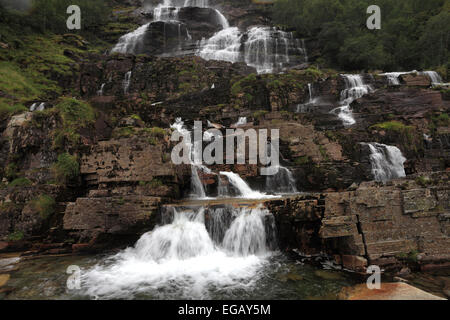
[(44, 205), (16, 236), (391, 125), (302, 160), (154, 183), (76, 113), (259, 114), (422, 181), (20, 182), (66, 168)]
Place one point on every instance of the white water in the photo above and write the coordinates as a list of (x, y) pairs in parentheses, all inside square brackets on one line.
[(225, 45), (393, 76), (265, 48), (180, 260), (100, 91), (197, 189), (241, 122), (282, 183), (354, 89), (387, 162), (129, 42), (244, 189), (126, 82), (434, 77)]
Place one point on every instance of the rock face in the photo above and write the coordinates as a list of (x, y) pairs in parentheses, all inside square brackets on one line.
[(385, 226), (388, 291)]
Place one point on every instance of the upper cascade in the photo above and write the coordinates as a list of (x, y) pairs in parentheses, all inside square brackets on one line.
[(267, 49), (355, 88)]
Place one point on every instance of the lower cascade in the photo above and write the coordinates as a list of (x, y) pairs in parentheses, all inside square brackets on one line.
[(181, 259), (387, 162)]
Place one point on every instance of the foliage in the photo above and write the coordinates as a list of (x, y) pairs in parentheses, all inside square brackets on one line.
[(414, 34), (66, 168), (16, 236), (44, 205), (20, 182), (391, 125)]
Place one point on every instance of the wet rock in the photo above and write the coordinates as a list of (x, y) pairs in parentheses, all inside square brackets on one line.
[(328, 275), (388, 291), (4, 279)]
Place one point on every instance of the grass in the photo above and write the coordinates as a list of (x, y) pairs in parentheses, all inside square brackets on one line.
[(16, 236), (66, 168), (44, 205), (20, 182), (391, 125)]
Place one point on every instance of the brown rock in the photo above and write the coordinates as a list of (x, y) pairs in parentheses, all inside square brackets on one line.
[(4, 279), (388, 291)]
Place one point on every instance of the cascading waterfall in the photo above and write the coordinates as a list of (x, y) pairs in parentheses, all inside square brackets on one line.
[(265, 48), (387, 162), (181, 259), (242, 121), (242, 186), (393, 76), (354, 89), (197, 189), (282, 183), (268, 49), (127, 82), (434, 77), (225, 45), (130, 42), (100, 91)]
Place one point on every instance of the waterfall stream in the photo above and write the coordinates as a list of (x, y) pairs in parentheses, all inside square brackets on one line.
[(181, 259), (354, 89), (387, 162), (267, 49)]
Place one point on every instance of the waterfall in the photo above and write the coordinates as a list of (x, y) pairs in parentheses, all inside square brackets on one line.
[(181, 259), (100, 91), (387, 162), (268, 49), (197, 189), (247, 234), (130, 42), (283, 182), (126, 82), (434, 77), (354, 89), (225, 45), (241, 122), (242, 186)]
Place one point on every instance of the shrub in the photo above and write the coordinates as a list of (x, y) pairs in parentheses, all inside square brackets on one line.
[(16, 236), (66, 168), (45, 205), (20, 182)]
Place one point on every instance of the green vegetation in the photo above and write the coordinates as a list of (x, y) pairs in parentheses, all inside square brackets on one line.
[(20, 182), (16, 236), (391, 125), (153, 184), (414, 34), (423, 181), (75, 115), (66, 168), (44, 205), (411, 256), (259, 114)]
